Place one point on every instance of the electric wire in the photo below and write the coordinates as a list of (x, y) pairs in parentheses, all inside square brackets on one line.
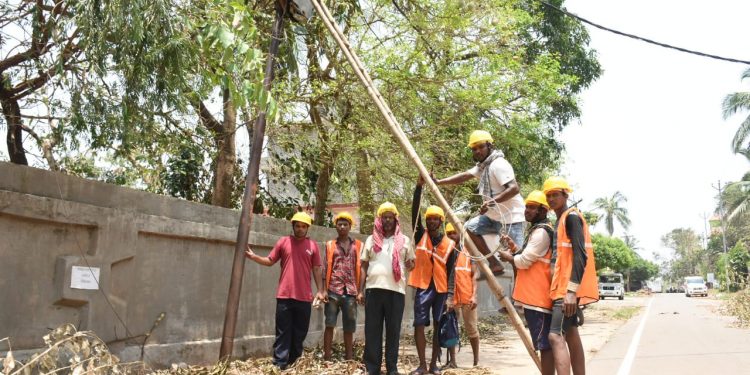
[(642, 39)]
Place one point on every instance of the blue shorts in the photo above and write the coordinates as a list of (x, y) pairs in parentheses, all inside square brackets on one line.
[(539, 324), (426, 299), (348, 306), (481, 225)]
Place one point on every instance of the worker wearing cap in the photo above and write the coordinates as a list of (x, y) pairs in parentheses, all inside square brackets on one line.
[(534, 275), (386, 257), (574, 281), (432, 277), (465, 297), (299, 257), (342, 276), (503, 206)]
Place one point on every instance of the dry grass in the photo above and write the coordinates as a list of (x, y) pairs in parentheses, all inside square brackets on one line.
[(69, 351), (738, 305)]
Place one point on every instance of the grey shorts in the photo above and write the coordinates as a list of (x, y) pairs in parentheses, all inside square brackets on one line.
[(560, 323), (348, 306)]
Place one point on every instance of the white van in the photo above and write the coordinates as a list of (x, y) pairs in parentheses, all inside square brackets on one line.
[(695, 286), (611, 285)]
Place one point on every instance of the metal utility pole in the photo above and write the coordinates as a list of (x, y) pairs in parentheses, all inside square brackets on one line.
[(248, 200), (723, 231), (705, 230)]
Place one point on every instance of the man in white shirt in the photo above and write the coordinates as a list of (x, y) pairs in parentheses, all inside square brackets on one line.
[(502, 207), (385, 259)]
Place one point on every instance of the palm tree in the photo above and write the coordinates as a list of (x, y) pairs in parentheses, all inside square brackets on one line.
[(611, 208), (733, 103)]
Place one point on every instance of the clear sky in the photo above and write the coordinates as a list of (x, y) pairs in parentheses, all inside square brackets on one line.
[(652, 125)]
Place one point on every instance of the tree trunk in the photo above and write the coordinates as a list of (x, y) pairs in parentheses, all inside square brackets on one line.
[(325, 170), (364, 192), (14, 138), (226, 158)]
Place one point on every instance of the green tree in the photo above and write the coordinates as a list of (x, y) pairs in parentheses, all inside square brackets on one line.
[(642, 270), (736, 263), (612, 253), (689, 257), (734, 103), (611, 208), (591, 218)]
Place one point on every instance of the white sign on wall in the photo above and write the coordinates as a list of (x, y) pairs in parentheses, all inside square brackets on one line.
[(84, 278)]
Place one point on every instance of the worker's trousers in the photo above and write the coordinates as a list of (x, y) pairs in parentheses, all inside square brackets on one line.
[(382, 307), (292, 322)]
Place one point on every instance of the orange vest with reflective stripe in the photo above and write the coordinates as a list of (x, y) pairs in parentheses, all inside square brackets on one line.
[(431, 264), (464, 280), (533, 284), (588, 290), (331, 249)]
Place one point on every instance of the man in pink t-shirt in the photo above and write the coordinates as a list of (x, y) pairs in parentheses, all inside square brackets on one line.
[(299, 257)]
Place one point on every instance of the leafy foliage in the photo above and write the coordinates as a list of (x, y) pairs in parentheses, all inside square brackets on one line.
[(612, 253)]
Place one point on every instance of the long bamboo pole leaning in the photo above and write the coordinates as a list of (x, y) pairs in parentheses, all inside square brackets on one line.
[(398, 133), (248, 200)]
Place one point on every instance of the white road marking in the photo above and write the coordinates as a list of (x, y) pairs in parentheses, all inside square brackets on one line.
[(627, 362)]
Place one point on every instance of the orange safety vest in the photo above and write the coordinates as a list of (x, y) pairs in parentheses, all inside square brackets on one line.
[(588, 290), (532, 284), (464, 280), (331, 249), (431, 264)]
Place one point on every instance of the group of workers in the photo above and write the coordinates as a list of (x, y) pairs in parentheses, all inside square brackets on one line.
[(554, 264)]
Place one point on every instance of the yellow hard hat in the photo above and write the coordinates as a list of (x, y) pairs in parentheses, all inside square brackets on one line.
[(479, 136), (387, 207), (449, 228), (537, 197), (302, 218), (343, 216), (434, 211), (556, 183)]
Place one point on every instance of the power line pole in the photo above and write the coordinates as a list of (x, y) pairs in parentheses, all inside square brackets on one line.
[(723, 231), (705, 230)]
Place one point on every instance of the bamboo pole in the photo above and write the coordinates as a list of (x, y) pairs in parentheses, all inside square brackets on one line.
[(398, 133)]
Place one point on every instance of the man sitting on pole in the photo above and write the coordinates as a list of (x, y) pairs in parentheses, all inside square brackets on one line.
[(299, 257), (386, 257), (342, 277), (432, 278), (502, 204)]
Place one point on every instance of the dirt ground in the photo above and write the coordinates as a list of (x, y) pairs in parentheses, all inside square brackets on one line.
[(501, 349), (505, 354)]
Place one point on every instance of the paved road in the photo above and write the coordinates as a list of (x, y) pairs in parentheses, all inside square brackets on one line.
[(675, 334)]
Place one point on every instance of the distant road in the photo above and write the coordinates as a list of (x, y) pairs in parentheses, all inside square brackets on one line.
[(676, 335)]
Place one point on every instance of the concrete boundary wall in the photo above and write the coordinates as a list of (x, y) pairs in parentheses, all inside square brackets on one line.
[(155, 255)]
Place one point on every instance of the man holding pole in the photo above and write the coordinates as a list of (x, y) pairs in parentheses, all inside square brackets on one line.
[(465, 298), (342, 279), (574, 281), (432, 278), (534, 275), (386, 257), (299, 257), (502, 204)]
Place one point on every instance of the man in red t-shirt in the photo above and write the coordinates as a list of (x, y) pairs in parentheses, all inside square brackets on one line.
[(299, 257)]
